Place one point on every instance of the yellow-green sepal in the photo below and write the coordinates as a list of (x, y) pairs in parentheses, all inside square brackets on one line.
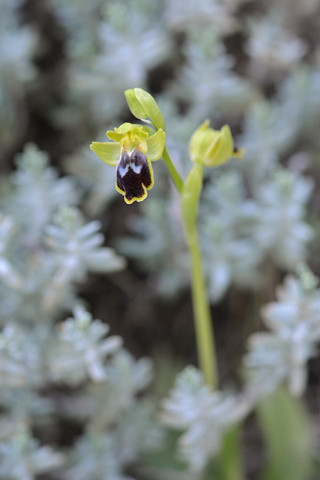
[(118, 133), (115, 136), (222, 150), (125, 127), (155, 145), (143, 106), (109, 152), (202, 140)]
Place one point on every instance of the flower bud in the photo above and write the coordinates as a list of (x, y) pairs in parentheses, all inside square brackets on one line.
[(212, 147)]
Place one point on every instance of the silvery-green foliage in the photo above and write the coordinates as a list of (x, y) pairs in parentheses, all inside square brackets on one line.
[(17, 45), (77, 352), (35, 183), (95, 178), (266, 135), (95, 456), (123, 61), (272, 127), (221, 91), (281, 355), (22, 457), (120, 58), (299, 97), (270, 45), (106, 456), (31, 195), (208, 14), (266, 363), (44, 249), (77, 245), (138, 432), (228, 259), (19, 364), (247, 231), (71, 248), (26, 403), (104, 403), (81, 349), (8, 273), (76, 249), (119, 427), (126, 378), (293, 9), (80, 20), (282, 231), (26, 304), (202, 415), (158, 241), (228, 220)]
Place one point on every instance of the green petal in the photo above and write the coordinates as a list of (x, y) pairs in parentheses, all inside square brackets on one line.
[(140, 131), (203, 141), (156, 145), (115, 136), (125, 127), (109, 152), (118, 133)]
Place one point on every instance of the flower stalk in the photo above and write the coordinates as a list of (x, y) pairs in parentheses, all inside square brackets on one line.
[(204, 332), (202, 316), (172, 170)]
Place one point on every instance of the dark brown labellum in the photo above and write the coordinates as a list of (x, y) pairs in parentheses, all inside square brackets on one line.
[(134, 175)]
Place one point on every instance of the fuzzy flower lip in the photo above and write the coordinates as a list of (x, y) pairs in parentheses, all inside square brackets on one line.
[(213, 147), (131, 151)]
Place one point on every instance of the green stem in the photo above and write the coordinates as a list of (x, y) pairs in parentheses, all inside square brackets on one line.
[(173, 172), (190, 191), (203, 325)]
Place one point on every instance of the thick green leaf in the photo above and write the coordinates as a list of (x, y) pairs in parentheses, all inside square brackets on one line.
[(227, 465), (288, 437), (166, 458)]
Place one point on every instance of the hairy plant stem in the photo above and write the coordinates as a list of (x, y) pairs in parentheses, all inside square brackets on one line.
[(203, 325)]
